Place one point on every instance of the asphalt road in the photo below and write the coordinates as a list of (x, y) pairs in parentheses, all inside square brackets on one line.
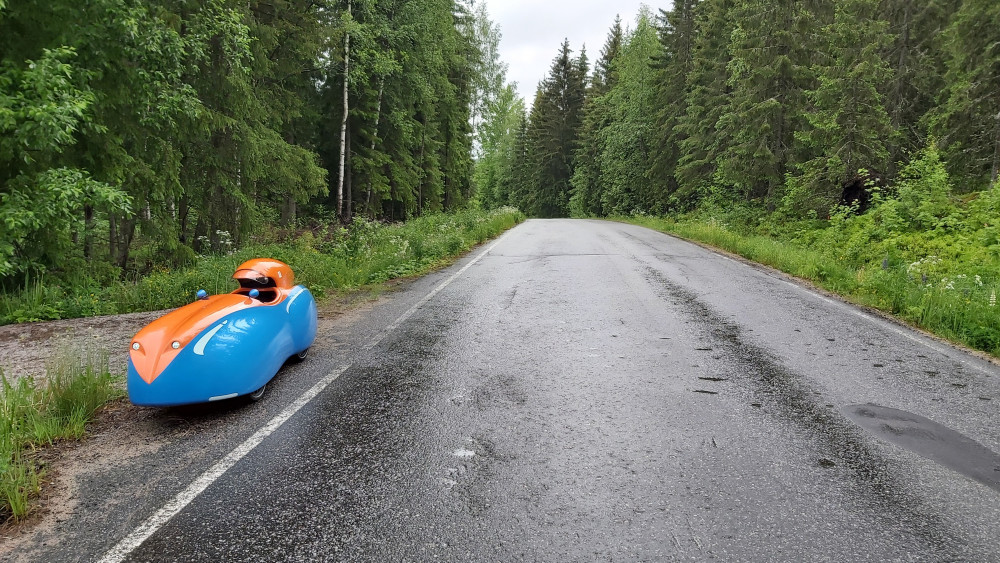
[(579, 391)]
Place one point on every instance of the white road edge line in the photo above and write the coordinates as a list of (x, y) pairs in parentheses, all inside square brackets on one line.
[(126, 546)]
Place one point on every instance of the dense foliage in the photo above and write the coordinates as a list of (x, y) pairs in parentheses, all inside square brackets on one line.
[(327, 260), (794, 106), (865, 133), (135, 134)]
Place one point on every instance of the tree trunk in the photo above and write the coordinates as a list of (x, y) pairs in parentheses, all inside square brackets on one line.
[(343, 122), (125, 233), (182, 217), (423, 175), (112, 237), (88, 231), (897, 91), (348, 195), (996, 153), (289, 207), (200, 236), (288, 211), (378, 115)]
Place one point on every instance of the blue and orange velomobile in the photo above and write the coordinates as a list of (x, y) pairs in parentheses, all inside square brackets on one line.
[(224, 346)]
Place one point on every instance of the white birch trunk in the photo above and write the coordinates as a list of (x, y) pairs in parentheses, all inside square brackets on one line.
[(343, 123)]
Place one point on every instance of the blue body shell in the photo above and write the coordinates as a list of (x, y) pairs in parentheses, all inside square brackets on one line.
[(234, 355)]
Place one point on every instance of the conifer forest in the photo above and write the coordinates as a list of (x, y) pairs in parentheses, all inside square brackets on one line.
[(139, 135), (793, 105), (854, 143), (175, 128)]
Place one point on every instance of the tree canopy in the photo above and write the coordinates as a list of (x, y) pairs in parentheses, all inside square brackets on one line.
[(172, 127), (796, 106)]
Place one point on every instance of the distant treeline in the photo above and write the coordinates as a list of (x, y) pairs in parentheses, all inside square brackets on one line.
[(136, 133), (794, 106)]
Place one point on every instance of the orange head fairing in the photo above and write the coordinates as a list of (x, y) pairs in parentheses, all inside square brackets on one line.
[(259, 268)]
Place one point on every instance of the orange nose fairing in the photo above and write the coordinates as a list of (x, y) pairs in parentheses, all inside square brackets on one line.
[(156, 340)]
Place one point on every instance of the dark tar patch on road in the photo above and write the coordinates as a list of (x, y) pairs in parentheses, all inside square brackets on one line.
[(929, 439)]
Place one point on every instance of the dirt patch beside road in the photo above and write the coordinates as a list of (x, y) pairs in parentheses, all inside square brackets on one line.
[(25, 348)]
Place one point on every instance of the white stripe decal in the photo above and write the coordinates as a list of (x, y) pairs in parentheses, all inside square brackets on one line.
[(199, 347), (223, 397), (294, 295), (127, 545)]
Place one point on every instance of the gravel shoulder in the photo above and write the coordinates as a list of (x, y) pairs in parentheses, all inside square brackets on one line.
[(120, 431), (26, 348)]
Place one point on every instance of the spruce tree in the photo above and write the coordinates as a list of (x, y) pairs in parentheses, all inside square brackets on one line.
[(552, 133), (587, 184), (917, 61), (677, 35), (968, 122), (707, 99), (768, 74), (848, 126), (604, 76), (628, 140)]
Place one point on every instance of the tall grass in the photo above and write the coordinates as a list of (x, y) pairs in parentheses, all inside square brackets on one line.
[(326, 261), (960, 307), (35, 414)]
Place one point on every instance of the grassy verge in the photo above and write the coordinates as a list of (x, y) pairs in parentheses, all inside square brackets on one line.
[(33, 416), (961, 307), (366, 253)]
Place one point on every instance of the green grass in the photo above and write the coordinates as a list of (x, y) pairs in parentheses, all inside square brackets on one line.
[(961, 307), (35, 414), (339, 259)]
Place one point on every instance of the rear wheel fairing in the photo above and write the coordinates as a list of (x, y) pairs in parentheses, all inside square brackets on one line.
[(302, 307)]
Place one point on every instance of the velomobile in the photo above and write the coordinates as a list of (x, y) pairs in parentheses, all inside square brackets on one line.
[(224, 346)]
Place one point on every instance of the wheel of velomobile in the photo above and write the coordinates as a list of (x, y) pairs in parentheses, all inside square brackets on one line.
[(256, 395)]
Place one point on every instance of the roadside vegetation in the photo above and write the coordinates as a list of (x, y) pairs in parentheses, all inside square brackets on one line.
[(853, 143), (919, 253), (324, 260), (147, 148), (36, 414)]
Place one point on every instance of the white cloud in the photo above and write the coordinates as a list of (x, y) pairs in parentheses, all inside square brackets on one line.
[(533, 30)]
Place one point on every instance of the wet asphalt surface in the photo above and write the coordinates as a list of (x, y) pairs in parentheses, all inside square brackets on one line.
[(586, 391)]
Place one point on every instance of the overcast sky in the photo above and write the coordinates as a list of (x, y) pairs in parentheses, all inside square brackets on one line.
[(533, 30)]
